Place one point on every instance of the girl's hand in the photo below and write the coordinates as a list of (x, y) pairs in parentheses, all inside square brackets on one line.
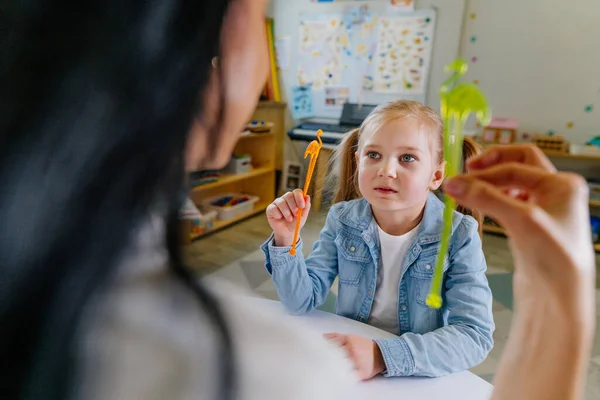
[(282, 213), (546, 217), (363, 352)]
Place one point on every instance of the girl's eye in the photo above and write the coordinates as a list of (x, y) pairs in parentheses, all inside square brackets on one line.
[(407, 158), (373, 155)]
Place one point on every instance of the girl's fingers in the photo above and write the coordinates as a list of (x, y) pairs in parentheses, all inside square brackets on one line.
[(284, 208), (523, 154), (306, 206), (291, 202), (273, 212), (339, 339), (299, 197), (331, 335)]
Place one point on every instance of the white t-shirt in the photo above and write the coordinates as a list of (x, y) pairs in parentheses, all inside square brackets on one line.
[(384, 313)]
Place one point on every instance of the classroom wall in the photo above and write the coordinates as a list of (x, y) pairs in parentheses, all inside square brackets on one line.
[(449, 19), (446, 43), (538, 61)]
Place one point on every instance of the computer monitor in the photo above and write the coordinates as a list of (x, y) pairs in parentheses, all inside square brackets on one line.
[(354, 114)]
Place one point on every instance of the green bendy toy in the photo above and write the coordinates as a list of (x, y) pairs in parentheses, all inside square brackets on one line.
[(458, 101)]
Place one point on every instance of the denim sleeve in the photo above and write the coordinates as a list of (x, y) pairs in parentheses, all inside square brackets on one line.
[(303, 285), (467, 339)]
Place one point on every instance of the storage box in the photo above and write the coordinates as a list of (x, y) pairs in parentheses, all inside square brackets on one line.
[(228, 205), (239, 165), (595, 224), (594, 191), (552, 143), (204, 222), (588, 150)]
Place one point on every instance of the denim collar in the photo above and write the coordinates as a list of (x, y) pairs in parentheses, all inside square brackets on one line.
[(357, 214)]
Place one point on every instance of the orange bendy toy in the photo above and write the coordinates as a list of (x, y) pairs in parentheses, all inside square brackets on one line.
[(313, 150)]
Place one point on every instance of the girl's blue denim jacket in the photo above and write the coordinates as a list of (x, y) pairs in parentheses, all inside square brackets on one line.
[(430, 342)]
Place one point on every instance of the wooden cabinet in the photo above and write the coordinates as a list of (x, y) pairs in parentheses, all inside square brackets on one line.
[(564, 161), (266, 151)]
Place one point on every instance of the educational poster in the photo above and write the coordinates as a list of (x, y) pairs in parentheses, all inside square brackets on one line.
[(360, 55), (283, 52), (302, 102), (403, 54), (396, 6), (360, 26), (336, 96), (320, 56)]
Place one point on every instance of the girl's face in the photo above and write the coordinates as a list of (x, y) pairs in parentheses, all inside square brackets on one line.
[(397, 166)]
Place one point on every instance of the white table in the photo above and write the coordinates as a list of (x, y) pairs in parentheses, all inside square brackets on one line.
[(460, 386)]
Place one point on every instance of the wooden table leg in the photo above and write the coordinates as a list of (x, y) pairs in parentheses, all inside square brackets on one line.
[(321, 175)]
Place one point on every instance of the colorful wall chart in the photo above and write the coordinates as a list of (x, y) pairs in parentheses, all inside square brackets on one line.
[(320, 55), (403, 54), (360, 27), (339, 56), (302, 102), (389, 54)]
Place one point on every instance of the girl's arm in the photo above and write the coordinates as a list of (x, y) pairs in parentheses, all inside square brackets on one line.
[(303, 285), (467, 339)]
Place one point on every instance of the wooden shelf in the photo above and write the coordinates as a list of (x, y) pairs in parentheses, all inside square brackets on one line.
[(266, 152), (493, 229), (595, 203), (220, 224), (562, 154), (497, 229), (271, 104), (557, 154), (256, 135), (227, 179)]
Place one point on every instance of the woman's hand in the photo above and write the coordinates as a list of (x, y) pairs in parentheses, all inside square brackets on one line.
[(545, 214), (546, 217)]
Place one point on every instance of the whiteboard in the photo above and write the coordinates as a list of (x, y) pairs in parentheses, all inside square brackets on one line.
[(448, 16), (356, 73)]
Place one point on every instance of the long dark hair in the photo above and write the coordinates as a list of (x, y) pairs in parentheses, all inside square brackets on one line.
[(97, 102)]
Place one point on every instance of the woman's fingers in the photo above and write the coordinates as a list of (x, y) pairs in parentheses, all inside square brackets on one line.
[(478, 194), (514, 176), (524, 154)]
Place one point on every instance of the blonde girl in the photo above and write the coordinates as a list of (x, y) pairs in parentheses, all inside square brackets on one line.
[(381, 239)]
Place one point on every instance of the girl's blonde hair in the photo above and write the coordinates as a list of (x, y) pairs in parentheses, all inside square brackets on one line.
[(345, 153)]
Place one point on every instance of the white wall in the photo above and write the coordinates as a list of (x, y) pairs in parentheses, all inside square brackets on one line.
[(539, 61)]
